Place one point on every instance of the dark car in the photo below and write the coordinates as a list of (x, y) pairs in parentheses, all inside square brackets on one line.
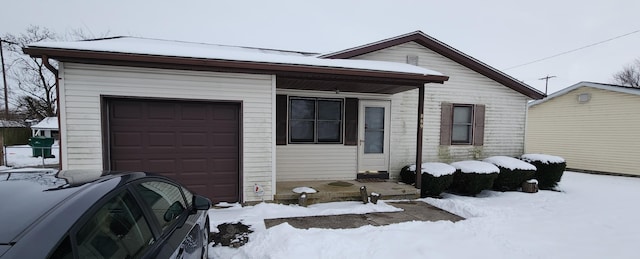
[(94, 214)]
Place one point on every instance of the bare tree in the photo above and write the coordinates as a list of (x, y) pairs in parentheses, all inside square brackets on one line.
[(35, 96), (629, 75), (36, 84)]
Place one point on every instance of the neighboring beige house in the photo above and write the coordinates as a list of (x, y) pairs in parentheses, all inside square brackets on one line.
[(225, 119), (594, 126)]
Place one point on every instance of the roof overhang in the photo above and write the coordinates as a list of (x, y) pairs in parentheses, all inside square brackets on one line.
[(293, 76)]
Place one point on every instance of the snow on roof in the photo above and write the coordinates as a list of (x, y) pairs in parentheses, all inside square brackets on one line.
[(435, 169), (545, 159), (48, 123), (479, 167), (509, 163), (608, 87), (144, 46)]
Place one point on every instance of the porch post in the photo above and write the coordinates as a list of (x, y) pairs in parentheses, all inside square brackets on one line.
[(419, 137)]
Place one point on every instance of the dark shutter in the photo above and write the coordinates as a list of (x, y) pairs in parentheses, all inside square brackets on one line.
[(281, 119), (478, 124), (351, 122), (446, 119)]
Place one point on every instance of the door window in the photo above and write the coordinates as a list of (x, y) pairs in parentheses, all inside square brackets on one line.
[(164, 199), (117, 230), (374, 130)]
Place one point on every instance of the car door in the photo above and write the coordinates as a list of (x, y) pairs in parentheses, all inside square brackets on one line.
[(114, 228), (179, 234)]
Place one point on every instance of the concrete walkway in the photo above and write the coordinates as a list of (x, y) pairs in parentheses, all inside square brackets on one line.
[(413, 211)]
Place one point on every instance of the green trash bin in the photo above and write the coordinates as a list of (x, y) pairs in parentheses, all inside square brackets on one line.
[(41, 146)]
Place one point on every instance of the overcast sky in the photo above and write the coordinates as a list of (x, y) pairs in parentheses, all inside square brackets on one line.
[(501, 33)]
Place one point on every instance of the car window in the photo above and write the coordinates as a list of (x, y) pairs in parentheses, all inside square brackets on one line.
[(188, 195), (164, 199), (117, 230)]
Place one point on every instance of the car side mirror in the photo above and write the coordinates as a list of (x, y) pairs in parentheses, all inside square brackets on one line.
[(201, 203)]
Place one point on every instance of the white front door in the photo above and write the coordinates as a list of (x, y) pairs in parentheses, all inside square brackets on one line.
[(373, 134)]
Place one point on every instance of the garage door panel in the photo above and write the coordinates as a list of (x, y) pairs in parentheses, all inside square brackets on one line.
[(195, 143)]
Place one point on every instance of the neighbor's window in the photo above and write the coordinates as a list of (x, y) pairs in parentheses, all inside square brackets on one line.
[(462, 128), (315, 120)]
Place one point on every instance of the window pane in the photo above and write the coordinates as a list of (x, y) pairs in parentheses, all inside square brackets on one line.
[(461, 114), (461, 134), (117, 230), (302, 109), (329, 131), (165, 200), (329, 110), (301, 131), (373, 142), (374, 118)]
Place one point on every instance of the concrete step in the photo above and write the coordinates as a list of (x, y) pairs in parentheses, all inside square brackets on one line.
[(332, 191)]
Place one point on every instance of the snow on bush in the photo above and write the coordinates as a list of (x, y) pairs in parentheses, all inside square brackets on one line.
[(476, 167), (545, 159), (549, 169), (509, 163), (435, 169), (513, 172), (471, 177)]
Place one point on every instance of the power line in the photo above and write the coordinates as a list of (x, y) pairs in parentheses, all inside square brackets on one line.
[(573, 50)]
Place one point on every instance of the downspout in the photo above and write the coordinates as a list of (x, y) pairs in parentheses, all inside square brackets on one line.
[(45, 62)]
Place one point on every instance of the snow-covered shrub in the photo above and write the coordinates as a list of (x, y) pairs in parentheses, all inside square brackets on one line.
[(549, 169), (436, 177), (513, 172), (471, 177), (408, 175)]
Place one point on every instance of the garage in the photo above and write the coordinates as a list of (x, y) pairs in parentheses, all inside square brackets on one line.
[(197, 143)]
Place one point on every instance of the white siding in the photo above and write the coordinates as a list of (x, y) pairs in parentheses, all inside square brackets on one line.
[(599, 135), (504, 118), (297, 162), (82, 85)]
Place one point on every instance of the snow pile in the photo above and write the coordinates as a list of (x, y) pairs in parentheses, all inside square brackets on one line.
[(479, 167), (304, 189), (435, 169), (575, 223), (509, 163), (545, 159)]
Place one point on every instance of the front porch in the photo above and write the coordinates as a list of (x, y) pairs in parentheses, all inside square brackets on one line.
[(347, 190)]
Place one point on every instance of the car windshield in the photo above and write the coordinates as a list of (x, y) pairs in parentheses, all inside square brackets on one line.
[(24, 197)]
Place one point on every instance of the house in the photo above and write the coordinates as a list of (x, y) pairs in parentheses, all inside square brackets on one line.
[(594, 126), (47, 127), (228, 120)]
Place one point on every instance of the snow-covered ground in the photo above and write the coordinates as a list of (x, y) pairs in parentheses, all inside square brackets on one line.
[(21, 156), (594, 216)]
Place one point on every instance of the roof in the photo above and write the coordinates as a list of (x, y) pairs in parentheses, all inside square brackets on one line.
[(446, 51), (48, 123), (132, 51), (602, 86)]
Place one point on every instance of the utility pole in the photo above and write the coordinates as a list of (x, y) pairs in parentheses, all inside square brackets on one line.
[(546, 83), (6, 104)]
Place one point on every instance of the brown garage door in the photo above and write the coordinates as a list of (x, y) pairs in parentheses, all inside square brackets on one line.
[(195, 143)]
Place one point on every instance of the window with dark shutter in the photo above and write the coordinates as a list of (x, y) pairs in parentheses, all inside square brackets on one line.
[(315, 120), (462, 124)]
